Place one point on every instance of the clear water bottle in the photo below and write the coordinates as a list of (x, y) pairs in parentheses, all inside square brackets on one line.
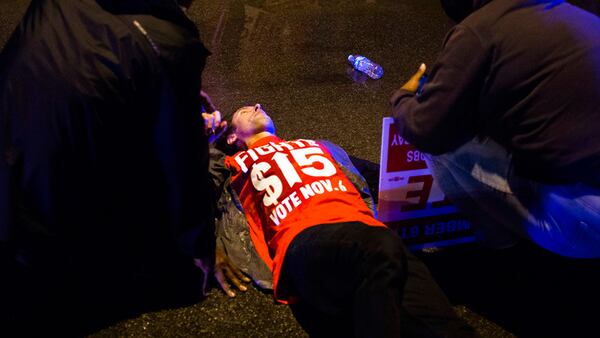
[(366, 66)]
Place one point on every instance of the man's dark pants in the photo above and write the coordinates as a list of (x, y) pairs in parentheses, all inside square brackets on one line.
[(355, 280)]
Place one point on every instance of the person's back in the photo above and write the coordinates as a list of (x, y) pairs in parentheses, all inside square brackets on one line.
[(101, 119), (540, 93), (509, 112), (523, 73)]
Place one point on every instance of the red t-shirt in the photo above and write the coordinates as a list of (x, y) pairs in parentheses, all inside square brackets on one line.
[(288, 186)]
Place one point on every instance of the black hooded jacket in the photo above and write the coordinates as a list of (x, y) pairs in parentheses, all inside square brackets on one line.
[(458, 10), (104, 160), (525, 73)]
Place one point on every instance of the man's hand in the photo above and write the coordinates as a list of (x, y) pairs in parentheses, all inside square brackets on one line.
[(413, 84), (226, 272)]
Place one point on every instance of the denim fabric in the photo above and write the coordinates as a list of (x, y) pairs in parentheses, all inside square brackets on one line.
[(479, 178)]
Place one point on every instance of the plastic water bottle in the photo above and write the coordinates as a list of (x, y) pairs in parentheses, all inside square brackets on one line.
[(366, 66)]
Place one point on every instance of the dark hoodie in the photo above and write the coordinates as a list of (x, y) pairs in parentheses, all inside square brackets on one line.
[(168, 10), (457, 10), (525, 73), (104, 166)]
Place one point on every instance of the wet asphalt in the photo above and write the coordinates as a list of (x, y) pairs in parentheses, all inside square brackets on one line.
[(290, 56)]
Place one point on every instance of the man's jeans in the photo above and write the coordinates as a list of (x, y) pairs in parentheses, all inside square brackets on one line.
[(479, 178)]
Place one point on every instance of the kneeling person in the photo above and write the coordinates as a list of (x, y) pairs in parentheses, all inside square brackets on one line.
[(343, 272)]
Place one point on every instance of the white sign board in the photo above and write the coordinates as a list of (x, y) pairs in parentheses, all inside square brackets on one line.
[(410, 201)]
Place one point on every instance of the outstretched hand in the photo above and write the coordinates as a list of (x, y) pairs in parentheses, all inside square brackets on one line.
[(227, 273), (412, 85)]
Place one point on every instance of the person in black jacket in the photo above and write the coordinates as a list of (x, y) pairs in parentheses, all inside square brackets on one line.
[(511, 111), (105, 201)]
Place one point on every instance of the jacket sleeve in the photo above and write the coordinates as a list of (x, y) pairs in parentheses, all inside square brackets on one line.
[(444, 117), (256, 233), (345, 164)]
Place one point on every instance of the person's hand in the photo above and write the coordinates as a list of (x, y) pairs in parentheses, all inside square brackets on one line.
[(214, 126), (227, 273), (413, 84)]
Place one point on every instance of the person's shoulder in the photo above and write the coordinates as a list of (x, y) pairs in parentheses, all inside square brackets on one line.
[(483, 21)]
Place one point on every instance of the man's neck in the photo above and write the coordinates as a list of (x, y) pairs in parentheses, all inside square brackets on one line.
[(254, 138)]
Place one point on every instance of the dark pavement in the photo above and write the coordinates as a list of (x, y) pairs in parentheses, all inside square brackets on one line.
[(290, 56)]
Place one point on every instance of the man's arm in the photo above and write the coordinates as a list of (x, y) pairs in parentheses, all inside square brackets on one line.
[(225, 271), (256, 233), (345, 164), (443, 117)]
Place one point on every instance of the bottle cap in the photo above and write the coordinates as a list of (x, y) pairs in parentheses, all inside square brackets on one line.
[(351, 58)]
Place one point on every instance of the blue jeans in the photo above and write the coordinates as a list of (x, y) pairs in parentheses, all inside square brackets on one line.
[(479, 178), (355, 280)]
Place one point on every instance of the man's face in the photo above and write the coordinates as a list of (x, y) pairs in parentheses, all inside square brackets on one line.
[(249, 121)]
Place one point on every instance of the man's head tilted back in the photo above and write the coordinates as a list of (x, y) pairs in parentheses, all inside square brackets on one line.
[(249, 124)]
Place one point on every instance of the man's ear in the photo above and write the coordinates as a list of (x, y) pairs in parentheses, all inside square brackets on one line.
[(231, 138)]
